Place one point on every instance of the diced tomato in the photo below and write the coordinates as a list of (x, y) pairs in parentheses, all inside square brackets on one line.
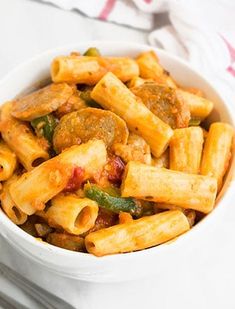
[(75, 180), (115, 170)]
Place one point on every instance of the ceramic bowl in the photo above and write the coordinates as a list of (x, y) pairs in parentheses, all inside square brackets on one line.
[(33, 73)]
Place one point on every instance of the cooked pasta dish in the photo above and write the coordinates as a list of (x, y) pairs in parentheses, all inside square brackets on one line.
[(112, 156)]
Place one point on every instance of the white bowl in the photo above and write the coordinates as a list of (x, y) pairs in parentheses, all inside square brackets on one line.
[(117, 267)]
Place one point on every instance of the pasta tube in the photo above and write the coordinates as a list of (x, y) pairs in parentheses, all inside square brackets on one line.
[(151, 69), (186, 150), (123, 67), (8, 205), (33, 189), (75, 215), (199, 107), (217, 151), (8, 161), (165, 186), (189, 213), (21, 140), (112, 94), (78, 69), (138, 234), (89, 70)]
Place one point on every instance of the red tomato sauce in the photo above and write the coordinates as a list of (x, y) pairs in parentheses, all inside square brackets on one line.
[(115, 170), (75, 180)]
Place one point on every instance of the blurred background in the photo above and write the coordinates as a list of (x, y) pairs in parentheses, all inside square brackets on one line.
[(28, 27), (201, 32)]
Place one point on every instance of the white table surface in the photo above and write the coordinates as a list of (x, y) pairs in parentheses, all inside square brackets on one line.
[(204, 280)]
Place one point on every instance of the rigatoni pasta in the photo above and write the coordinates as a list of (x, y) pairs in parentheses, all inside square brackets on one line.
[(137, 235), (9, 206), (123, 67), (8, 161), (186, 150), (28, 192), (89, 70), (19, 137), (77, 69), (166, 186), (112, 156), (75, 215), (112, 94), (189, 213), (217, 151), (151, 69), (199, 107)]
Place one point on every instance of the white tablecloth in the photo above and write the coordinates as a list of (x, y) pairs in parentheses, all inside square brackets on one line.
[(204, 280)]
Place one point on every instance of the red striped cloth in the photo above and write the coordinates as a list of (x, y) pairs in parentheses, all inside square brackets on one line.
[(124, 12), (206, 40), (107, 9)]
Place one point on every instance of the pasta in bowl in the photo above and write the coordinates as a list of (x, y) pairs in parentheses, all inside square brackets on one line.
[(113, 155)]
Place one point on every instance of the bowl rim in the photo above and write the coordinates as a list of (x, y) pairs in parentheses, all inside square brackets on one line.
[(179, 241)]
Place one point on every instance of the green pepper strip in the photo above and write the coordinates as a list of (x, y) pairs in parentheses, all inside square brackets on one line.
[(86, 96), (92, 52), (115, 204), (44, 126), (194, 122)]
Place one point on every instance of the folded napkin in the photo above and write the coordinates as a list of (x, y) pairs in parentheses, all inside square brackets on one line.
[(120, 11), (202, 32)]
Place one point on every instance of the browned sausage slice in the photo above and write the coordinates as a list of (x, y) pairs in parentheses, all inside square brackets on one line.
[(41, 102), (165, 103), (89, 123)]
